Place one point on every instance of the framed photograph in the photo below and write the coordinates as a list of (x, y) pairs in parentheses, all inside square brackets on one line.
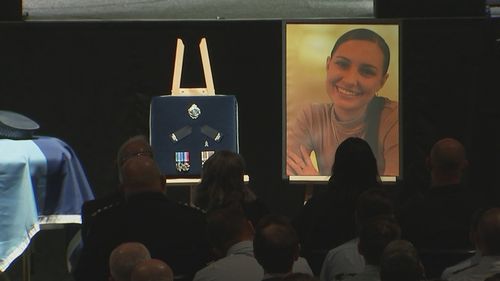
[(342, 80)]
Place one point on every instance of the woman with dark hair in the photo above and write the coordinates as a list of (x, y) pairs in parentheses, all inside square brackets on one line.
[(356, 70), (222, 184), (355, 167), (327, 219)]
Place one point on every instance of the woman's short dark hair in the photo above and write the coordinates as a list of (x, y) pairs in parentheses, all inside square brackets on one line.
[(366, 35), (222, 180)]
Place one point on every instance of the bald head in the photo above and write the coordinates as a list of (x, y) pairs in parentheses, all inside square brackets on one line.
[(447, 160), (152, 270), (124, 258), (489, 232), (400, 247), (141, 174)]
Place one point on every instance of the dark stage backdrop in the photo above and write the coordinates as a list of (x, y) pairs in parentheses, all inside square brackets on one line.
[(449, 91), (90, 84)]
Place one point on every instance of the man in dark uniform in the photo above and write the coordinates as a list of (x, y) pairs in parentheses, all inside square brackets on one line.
[(172, 232), (132, 147)]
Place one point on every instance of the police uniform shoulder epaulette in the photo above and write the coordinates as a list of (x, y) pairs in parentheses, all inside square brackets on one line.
[(106, 208), (465, 268)]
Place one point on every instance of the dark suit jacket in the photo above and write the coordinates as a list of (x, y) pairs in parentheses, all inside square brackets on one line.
[(441, 219), (172, 232)]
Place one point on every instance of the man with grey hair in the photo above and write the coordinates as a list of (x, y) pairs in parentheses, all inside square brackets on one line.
[(133, 147), (171, 231), (124, 258)]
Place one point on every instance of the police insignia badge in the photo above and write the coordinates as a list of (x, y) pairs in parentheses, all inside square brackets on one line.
[(180, 134), (194, 111)]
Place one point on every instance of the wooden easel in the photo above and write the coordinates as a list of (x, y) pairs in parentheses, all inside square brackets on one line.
[(207, 71), (178, 91)]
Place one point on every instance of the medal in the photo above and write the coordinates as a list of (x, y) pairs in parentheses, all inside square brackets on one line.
[(205, 155), (182, 161)]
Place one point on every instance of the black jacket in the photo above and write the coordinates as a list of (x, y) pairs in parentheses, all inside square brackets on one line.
[(172, 232)]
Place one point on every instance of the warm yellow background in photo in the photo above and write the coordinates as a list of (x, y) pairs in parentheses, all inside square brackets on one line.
[(307, 48)]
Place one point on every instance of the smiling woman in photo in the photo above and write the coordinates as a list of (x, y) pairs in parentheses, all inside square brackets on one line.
[(356, 70)]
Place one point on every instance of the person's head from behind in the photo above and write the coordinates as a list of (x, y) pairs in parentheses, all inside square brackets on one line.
[(141, 174), (373, 203), (400, 261), (226, 227), (489, 233), (152, 270), (221, 180), (124, 258), (374, 236), (474, 226), (356, 70), (447, 161), (133, 147), (355, 166), (276, 245)]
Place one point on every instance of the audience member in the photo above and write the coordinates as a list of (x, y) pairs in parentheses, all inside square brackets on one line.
[(400, 261), (441, 219), (276, 246), (327, 219), (124, 258), (222, 183), (172, 232), (373, 238), (473, 236), (488, 241), (132, 147), (230, 234), (152, 270), (345, 260)]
